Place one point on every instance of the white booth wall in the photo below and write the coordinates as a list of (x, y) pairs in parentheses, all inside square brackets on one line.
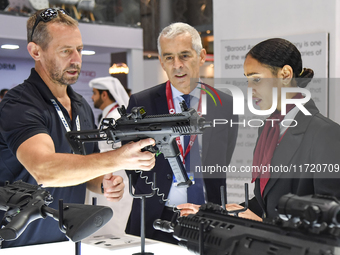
[(103, 39), (244, 19)]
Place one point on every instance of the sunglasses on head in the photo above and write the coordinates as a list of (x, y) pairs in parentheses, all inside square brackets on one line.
[(46, 16)]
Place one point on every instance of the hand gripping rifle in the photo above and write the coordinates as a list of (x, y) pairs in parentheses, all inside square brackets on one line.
[(24, 203), (137, 125), (311, 226)]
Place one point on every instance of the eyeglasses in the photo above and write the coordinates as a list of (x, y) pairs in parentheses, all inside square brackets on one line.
[(46, 16)]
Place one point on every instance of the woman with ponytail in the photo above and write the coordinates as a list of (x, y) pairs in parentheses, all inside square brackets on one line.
[(302, 142)]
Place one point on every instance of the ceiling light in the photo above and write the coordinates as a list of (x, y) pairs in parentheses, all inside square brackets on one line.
[(88, 52), (9, 46)]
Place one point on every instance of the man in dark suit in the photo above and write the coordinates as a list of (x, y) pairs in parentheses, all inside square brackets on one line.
[(181, 55)]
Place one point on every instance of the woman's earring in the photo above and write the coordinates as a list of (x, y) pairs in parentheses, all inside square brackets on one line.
[(285, 82)]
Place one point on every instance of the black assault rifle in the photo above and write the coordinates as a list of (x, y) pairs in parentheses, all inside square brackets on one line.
[(137, 125), (311, 226), (24, 203)]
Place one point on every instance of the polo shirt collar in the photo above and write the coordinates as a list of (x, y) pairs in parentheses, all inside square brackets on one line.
[(36, 80)]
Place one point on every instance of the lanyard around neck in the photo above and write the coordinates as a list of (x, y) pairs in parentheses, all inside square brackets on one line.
[(171, 107), (170, 100), (62, 117), (113, 108)]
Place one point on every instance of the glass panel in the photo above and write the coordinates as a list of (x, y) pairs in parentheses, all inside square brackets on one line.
[(114, 12)]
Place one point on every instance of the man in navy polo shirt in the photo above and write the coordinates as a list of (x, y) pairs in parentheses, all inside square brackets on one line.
[(34, 117)]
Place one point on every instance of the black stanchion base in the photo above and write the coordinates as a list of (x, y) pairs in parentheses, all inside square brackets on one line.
[(143, 253)]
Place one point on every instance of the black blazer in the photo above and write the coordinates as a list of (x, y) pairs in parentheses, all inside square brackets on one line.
[(315, 140), (218, 146)]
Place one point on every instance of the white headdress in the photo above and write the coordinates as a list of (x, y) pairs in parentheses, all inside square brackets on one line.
[(114, 86)]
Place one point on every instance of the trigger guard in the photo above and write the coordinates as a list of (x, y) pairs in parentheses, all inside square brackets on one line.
[(150, 148)]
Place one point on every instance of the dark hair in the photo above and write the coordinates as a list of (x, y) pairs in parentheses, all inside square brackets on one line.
[(108, 93), (276, 53), (3, 92), (41, 35)]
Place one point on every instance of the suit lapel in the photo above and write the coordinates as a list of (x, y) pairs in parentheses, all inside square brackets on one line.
[(290, 143), (160, 100), (209, 131), (282, 156)]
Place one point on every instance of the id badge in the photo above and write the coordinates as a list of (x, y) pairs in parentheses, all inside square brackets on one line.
[(190, 176)]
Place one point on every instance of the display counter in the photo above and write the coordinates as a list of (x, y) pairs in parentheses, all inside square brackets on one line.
[(101, 245)]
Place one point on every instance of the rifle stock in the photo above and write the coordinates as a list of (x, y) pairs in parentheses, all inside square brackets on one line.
[(25, 203)]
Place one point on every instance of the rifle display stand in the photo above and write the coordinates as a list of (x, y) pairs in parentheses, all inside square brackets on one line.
[(223, 197), (62, 228), (246, 202), (142, 220)]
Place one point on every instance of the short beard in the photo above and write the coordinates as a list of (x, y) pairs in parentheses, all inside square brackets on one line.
[(97, 104), (58, 76)]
